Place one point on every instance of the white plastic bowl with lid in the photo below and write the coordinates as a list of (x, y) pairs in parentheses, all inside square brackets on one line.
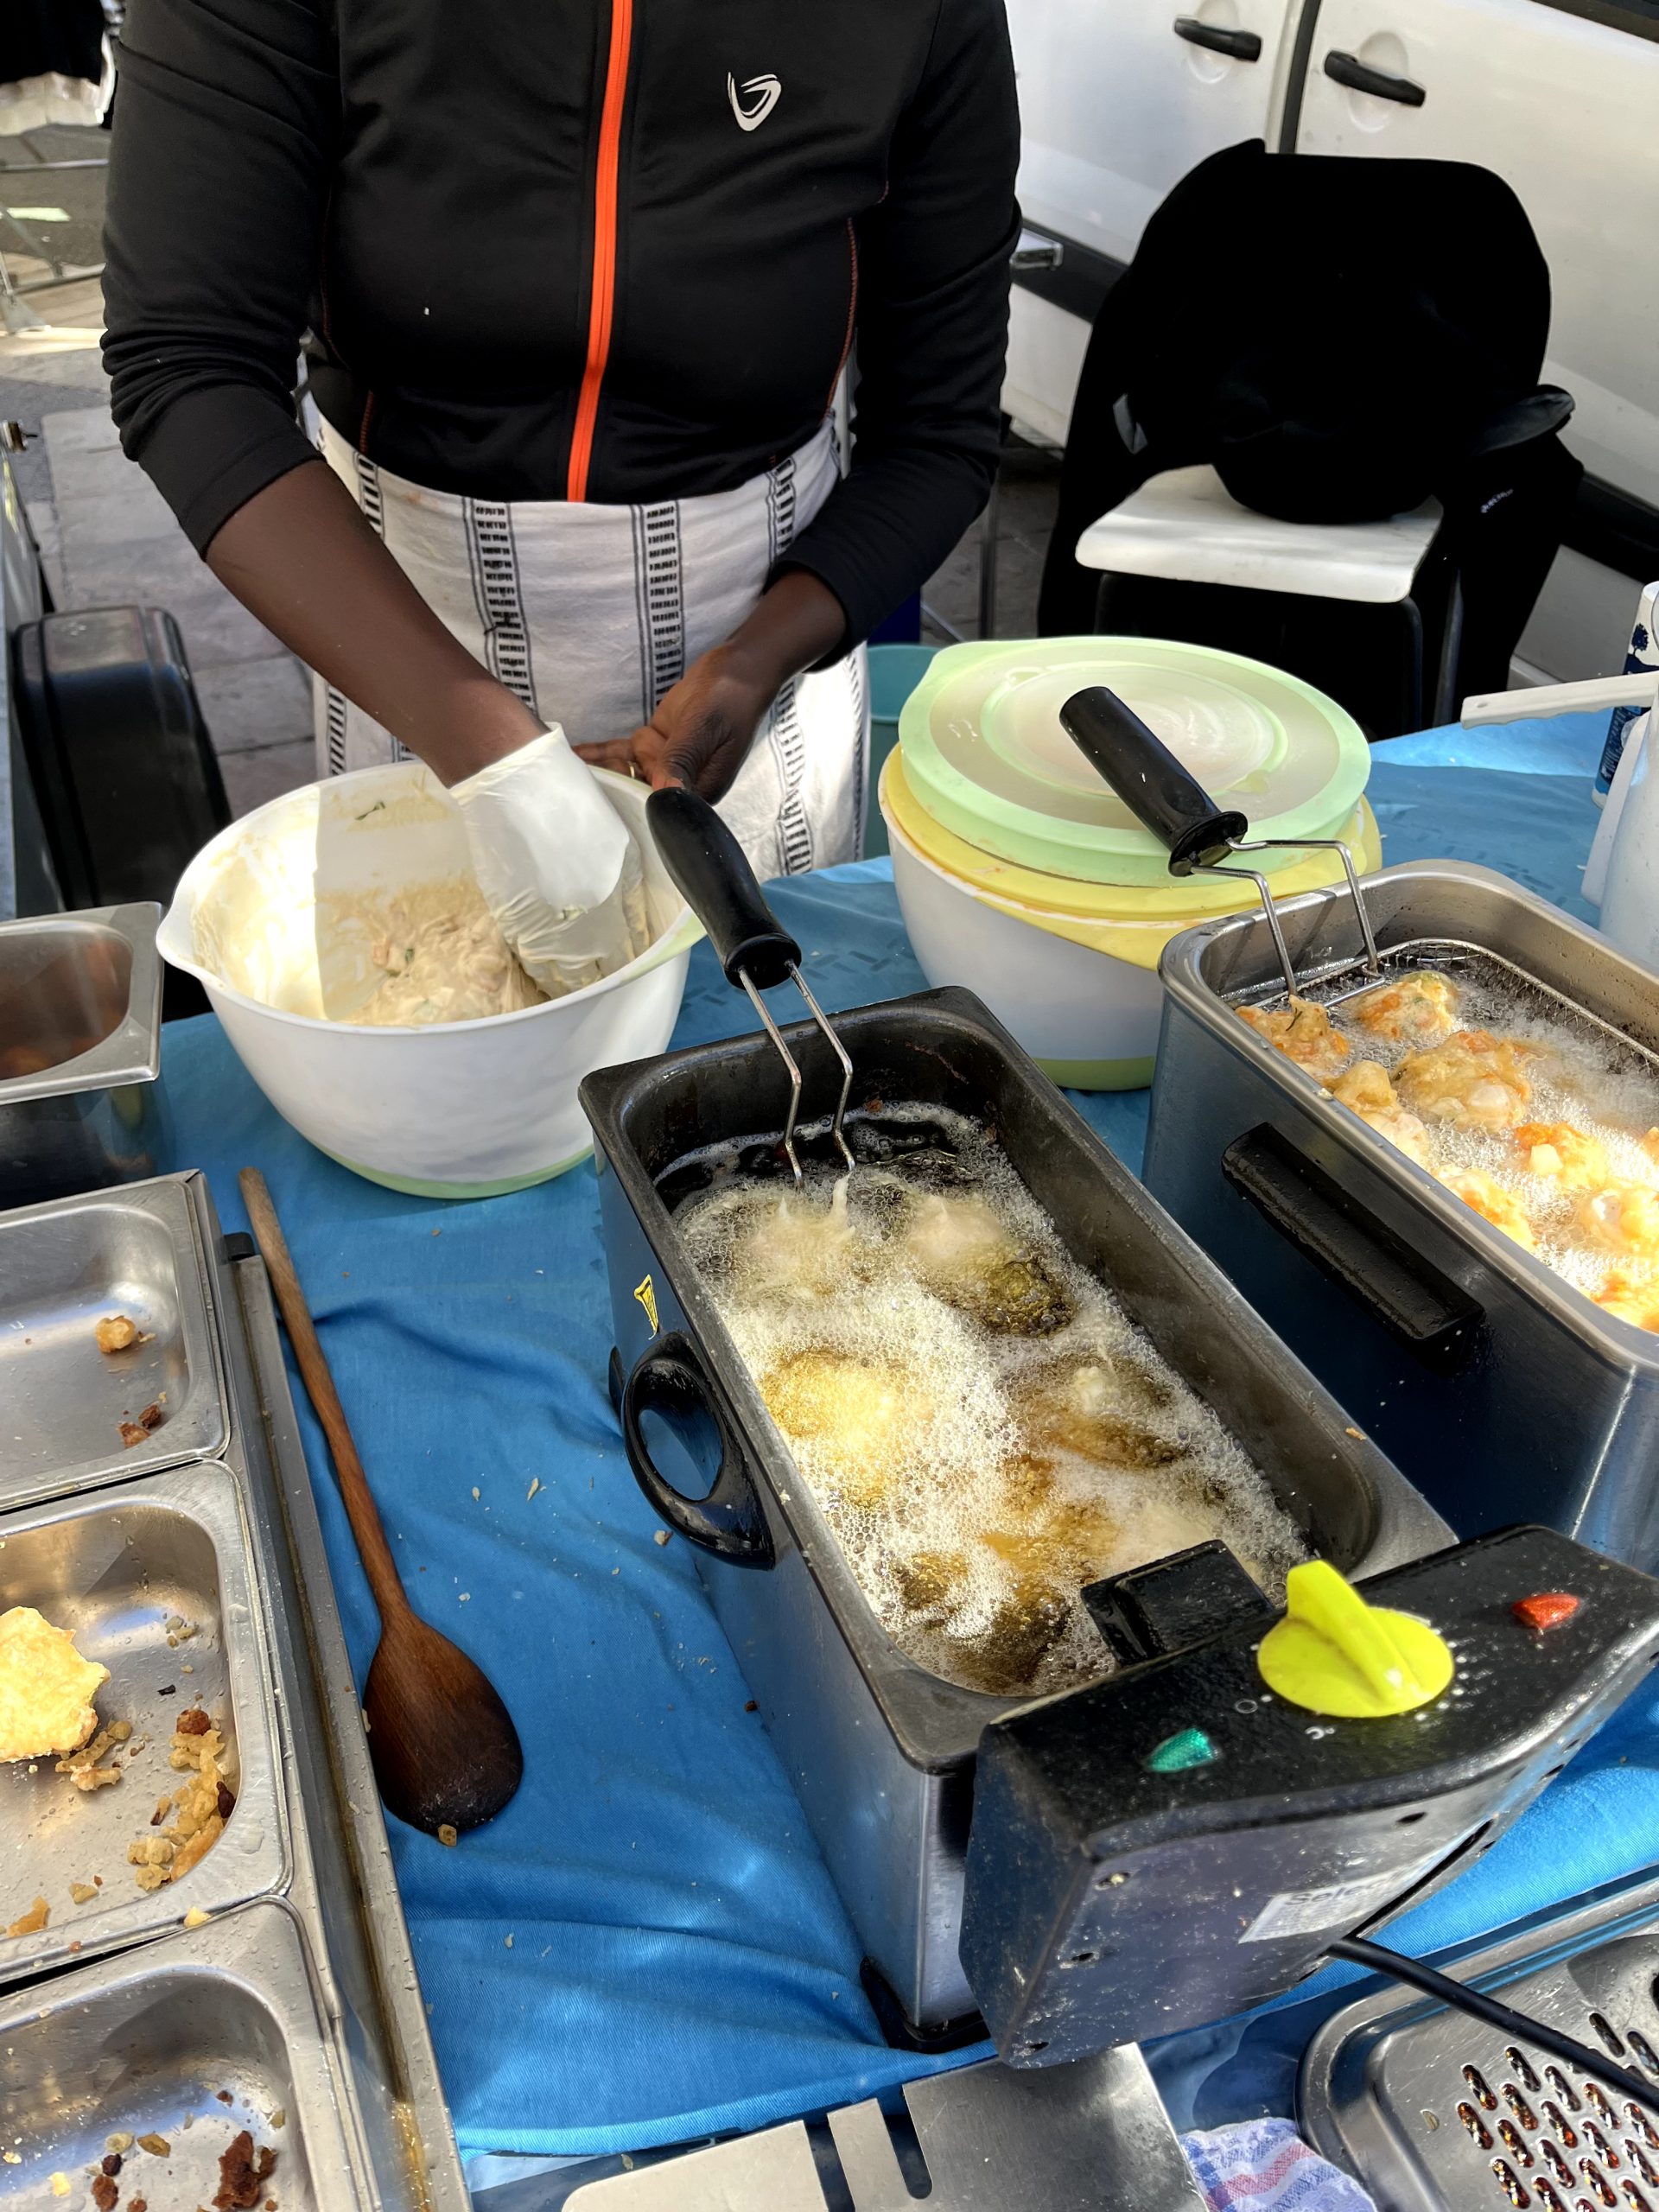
[(1020, 874)]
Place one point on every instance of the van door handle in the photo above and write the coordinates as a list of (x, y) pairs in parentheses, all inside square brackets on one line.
[(1381, 85), (1238, 46)]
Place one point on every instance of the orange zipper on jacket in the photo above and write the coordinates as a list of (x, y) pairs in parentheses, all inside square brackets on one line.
[(602, 299)]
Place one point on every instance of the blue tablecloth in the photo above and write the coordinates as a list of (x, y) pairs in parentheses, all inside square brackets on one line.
[(645, 1946)]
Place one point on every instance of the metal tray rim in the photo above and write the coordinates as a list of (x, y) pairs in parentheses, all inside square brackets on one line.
[(284, 1480)]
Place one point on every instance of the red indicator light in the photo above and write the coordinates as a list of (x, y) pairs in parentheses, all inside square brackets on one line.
[(1545, 1609)]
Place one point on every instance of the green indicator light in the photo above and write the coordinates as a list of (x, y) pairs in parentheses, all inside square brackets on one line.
[(1189, 1747)]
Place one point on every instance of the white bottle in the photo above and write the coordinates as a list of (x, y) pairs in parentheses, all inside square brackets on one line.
[(1629, 898), (1642, 656)]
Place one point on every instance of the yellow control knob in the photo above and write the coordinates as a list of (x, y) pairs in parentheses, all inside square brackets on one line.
[(1333, 1653)]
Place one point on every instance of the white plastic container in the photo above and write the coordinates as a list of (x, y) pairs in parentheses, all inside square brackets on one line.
[(463, 1109), (1090, 1021)]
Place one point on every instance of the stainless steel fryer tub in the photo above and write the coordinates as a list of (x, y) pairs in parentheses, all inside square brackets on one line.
[(1502, 1391), (880, 1751)]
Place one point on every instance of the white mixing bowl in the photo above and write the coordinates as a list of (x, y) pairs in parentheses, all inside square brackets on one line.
[(456, 1111), (1089, 1021)]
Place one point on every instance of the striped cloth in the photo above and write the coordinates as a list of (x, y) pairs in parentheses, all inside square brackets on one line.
[(590, 614), (1263, 2165)]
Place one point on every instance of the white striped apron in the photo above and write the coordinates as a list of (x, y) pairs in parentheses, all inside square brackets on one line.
[(590, 614)]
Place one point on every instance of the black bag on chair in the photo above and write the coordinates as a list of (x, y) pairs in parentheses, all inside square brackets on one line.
[(1340, 340)]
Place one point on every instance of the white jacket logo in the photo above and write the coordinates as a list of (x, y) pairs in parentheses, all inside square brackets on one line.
[(754, 100)]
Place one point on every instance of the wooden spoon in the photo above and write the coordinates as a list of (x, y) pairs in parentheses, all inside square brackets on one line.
[(445, 1753)]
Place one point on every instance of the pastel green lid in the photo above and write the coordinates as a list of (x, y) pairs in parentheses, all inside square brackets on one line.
[(986, 755)]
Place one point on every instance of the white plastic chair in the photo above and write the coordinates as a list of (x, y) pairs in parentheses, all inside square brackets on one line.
[(1183, 526)]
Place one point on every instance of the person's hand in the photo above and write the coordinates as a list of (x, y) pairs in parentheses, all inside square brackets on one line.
[(701, 731), (557, 867), (705, 726)]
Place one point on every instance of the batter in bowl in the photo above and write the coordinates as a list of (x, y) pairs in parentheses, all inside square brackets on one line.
[(439, 954)]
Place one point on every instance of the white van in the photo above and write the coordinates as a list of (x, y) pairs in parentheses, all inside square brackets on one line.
[(1120, 99)]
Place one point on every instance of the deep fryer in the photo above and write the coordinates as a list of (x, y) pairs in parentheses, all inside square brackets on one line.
[(1501, 1390), (1100, 1882)]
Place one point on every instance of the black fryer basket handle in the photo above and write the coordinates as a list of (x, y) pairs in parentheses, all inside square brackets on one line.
[(730, 1522), (1148, 778), (711, 873)]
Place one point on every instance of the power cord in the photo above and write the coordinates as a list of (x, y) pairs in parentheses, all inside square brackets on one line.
[(1359, 1951)]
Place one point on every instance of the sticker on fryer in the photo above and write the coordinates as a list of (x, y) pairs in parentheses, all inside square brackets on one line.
[(1344, 1905), (1306, 1912), (646, 1295)]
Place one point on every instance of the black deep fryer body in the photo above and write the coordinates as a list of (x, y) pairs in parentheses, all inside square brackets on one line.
[(880, 1751)]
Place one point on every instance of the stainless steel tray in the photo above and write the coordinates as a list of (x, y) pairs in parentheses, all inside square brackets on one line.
[(1435, 2113), (141, 1252), (185, 2043), (365, 2040), (116, 1566), (80, 1048)]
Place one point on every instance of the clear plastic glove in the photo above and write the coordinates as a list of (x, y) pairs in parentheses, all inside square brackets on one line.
[(557, 867)]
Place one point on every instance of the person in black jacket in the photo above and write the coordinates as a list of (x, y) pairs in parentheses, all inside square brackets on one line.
[(576, 284)]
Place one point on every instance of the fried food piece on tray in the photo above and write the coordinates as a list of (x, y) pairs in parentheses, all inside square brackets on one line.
[(1621, 1217), (46, 1687), (116, 1332), (965, 1253), (1365, 1090), (1094, 1410), (1475, 1081), (1420, 1009), (1303, 1033), (1493, 1203), (1563, 1154), (1629, 1299), (858, 1426)]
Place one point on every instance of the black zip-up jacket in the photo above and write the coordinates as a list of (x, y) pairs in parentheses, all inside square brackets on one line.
[(613, 249)]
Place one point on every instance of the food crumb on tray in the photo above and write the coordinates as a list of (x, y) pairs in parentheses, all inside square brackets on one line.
[(157, 2146), (200, 1808), (46, 1687), (92, 1767), (32, 1922), (105, 2195), (117, 1333), (243, 2173), (134, 1433)]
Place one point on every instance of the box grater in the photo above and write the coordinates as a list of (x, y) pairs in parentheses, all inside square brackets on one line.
[(1434, 2112)]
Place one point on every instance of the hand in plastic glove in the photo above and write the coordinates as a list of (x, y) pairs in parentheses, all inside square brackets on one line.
[(705, 725), (558, 867)]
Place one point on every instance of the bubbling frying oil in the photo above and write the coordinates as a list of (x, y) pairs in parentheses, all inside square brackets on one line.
[(984, 1428), (1543, 1119)]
